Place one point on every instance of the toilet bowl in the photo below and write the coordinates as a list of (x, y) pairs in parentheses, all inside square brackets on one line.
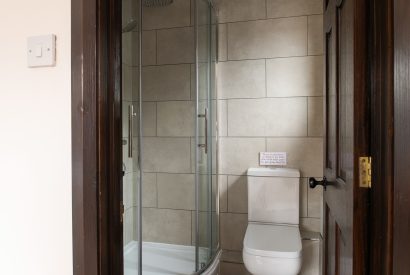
[(272, 249), (272, 243)]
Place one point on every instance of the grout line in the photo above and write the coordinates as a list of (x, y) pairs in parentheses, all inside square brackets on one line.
[(307, 117), (167, 28), (227, 194), (269, 18), (166, 65), (270, 58), (156, 118), (274, 137), (227, 118), (266, 144), (227, 41), (156, 184), (307, 35), (266, 9), (273, 97), (156, 48), (266, 79)]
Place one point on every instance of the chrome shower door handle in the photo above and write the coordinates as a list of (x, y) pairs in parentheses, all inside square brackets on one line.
[(131, 115), (205, 145)]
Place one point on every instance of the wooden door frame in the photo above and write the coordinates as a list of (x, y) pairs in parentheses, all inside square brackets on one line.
[(401, 194), (96, 136), (382, 137)]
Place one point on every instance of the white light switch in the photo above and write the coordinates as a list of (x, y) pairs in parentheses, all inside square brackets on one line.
[(41, 51), (273, 158)]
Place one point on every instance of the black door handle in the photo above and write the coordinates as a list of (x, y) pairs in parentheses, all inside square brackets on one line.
[(313, 183)]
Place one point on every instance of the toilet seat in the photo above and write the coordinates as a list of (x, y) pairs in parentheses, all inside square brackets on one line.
[(273, 241)]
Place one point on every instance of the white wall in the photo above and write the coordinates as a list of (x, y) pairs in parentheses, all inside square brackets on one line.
[(35, 142)]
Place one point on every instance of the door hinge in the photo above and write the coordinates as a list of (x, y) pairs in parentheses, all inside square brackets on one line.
[(122, 212), (365, 172)]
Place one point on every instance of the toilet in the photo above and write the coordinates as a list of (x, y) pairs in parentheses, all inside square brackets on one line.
[(272, 243)]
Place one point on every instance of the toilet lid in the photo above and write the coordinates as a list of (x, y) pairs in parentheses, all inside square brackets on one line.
[(276, 241)]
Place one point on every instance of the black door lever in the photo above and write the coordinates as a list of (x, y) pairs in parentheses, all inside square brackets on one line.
[(313, 183)]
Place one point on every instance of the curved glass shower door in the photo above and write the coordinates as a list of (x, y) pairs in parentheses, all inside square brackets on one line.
[(168, 79), (208, 220)]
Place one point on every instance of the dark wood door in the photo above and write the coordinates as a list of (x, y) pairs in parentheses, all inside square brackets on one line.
[(346, 136)]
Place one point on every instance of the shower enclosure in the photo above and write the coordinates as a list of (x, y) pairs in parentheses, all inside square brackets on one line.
[(170, 189)]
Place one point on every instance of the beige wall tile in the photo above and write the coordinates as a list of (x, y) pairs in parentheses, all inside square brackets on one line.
[(310, 257), (175, 46), (204, 238), (125, 126), (149, 119), (172, 155), (296, 76), (176, 15), (232, 256), (233, 228), (128, 11), (176, 118), (239, 154), (203, 157), (241, 79), (129, 189), (237, 194), (135, 83), (149, 190), (170, 82), (315, 116), (315, 202), (303, 207), (233, 269), (135, 150), (176, 191), (149, 48), (267, 117), (222, 118), (128, 162), (222, 42), (166, 226), (128, 48), (310, 224), (285, 8), (305, 154), (241, 10), (127, 81), (223, 193), (203, 81), (267, 38), (130, 228), (315, 34)]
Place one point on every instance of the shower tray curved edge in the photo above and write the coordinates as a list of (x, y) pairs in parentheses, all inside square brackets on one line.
[(214, 265)]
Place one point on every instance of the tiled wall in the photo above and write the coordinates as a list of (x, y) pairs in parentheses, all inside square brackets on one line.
[(270, 99)]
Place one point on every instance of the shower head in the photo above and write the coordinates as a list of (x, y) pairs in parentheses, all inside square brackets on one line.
[(130, 26), (157, 3)]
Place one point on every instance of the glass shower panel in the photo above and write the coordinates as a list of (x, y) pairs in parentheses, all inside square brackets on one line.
[(169, 125), (168, 136), (214, 135), (130, 126), (205, 134)]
